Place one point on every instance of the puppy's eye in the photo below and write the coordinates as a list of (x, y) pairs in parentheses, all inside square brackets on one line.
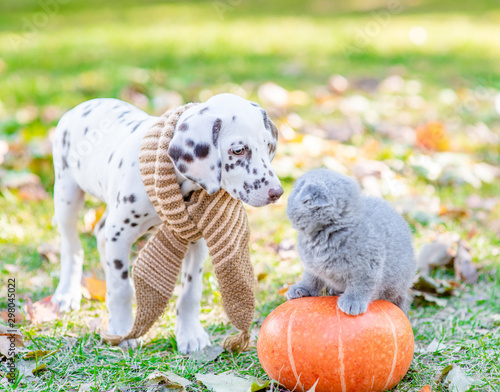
[(237, 151)]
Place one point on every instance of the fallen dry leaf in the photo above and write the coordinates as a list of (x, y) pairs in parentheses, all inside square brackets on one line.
[(49, 252), (95, 287), (455, 379), (283, 290), (94, 324), (5, 345), (426, 388), (208, 354), (259, 385), (224, 382), (433, 137), (438, 253), (421, 298), (4, 316), (92, 217), (41, 311), (38, 354), (29, 369), (35, 192), (169, 382), (440, 287), (464, 268)]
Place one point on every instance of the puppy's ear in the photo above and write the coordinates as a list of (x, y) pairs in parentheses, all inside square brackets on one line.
[(274, 133), (194, 149)]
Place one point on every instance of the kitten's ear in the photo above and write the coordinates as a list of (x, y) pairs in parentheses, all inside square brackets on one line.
[(313, 196)]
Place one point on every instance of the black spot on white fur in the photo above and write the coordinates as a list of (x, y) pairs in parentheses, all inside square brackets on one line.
[(202, 150), (131, 198), (175, 153), (101, 224), (203, 110), (187, 157), (190, 278), (65, 135), (190, 143), (216, 130), (183, 127), (125, 275), (182, 168), (118, 264), (136, 126)]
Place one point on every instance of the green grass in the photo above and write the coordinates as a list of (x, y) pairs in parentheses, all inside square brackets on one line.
[(90, 49)]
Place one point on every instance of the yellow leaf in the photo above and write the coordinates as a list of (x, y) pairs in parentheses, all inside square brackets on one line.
[(432, 136), (37, 354), (96, 288)]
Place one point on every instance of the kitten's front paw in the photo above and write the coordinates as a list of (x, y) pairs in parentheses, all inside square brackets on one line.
[(352, 305), (332, 292), (299, 291)]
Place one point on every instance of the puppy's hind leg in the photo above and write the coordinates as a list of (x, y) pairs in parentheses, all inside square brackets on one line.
[(188, 330), (68, 200)]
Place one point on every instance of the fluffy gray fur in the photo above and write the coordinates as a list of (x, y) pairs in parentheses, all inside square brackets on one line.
[(356, 246)]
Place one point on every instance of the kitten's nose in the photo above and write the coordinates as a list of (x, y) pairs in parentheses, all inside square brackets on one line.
[(275, 193)]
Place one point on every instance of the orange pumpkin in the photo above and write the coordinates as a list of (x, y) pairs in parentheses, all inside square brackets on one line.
[(310, 340)]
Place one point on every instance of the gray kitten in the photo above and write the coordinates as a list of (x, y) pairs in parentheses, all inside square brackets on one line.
[(356, 246)]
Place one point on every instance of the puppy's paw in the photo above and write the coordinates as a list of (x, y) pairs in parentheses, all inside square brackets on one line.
[(67, 301), (298, 291), (352, 305), (192, 338), (129, 344)]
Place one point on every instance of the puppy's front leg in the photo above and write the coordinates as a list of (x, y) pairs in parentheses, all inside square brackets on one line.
[(188, 330)]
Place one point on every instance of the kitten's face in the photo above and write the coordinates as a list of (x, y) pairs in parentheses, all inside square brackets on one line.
[(322, 197)]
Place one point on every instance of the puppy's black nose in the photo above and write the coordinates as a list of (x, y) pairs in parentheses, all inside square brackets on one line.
[(275, 193)]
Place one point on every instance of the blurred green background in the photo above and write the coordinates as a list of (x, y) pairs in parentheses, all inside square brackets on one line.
[(404, 95), (62, 52)]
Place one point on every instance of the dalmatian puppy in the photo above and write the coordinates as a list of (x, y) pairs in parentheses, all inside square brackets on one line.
[(226, 142)]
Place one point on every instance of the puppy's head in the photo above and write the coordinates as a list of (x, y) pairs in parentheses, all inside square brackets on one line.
[(228, 142)]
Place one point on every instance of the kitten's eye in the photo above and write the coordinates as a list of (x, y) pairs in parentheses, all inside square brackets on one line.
[(237, 151)]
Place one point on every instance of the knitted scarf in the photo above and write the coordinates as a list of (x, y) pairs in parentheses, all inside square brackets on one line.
[(218, 218)]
